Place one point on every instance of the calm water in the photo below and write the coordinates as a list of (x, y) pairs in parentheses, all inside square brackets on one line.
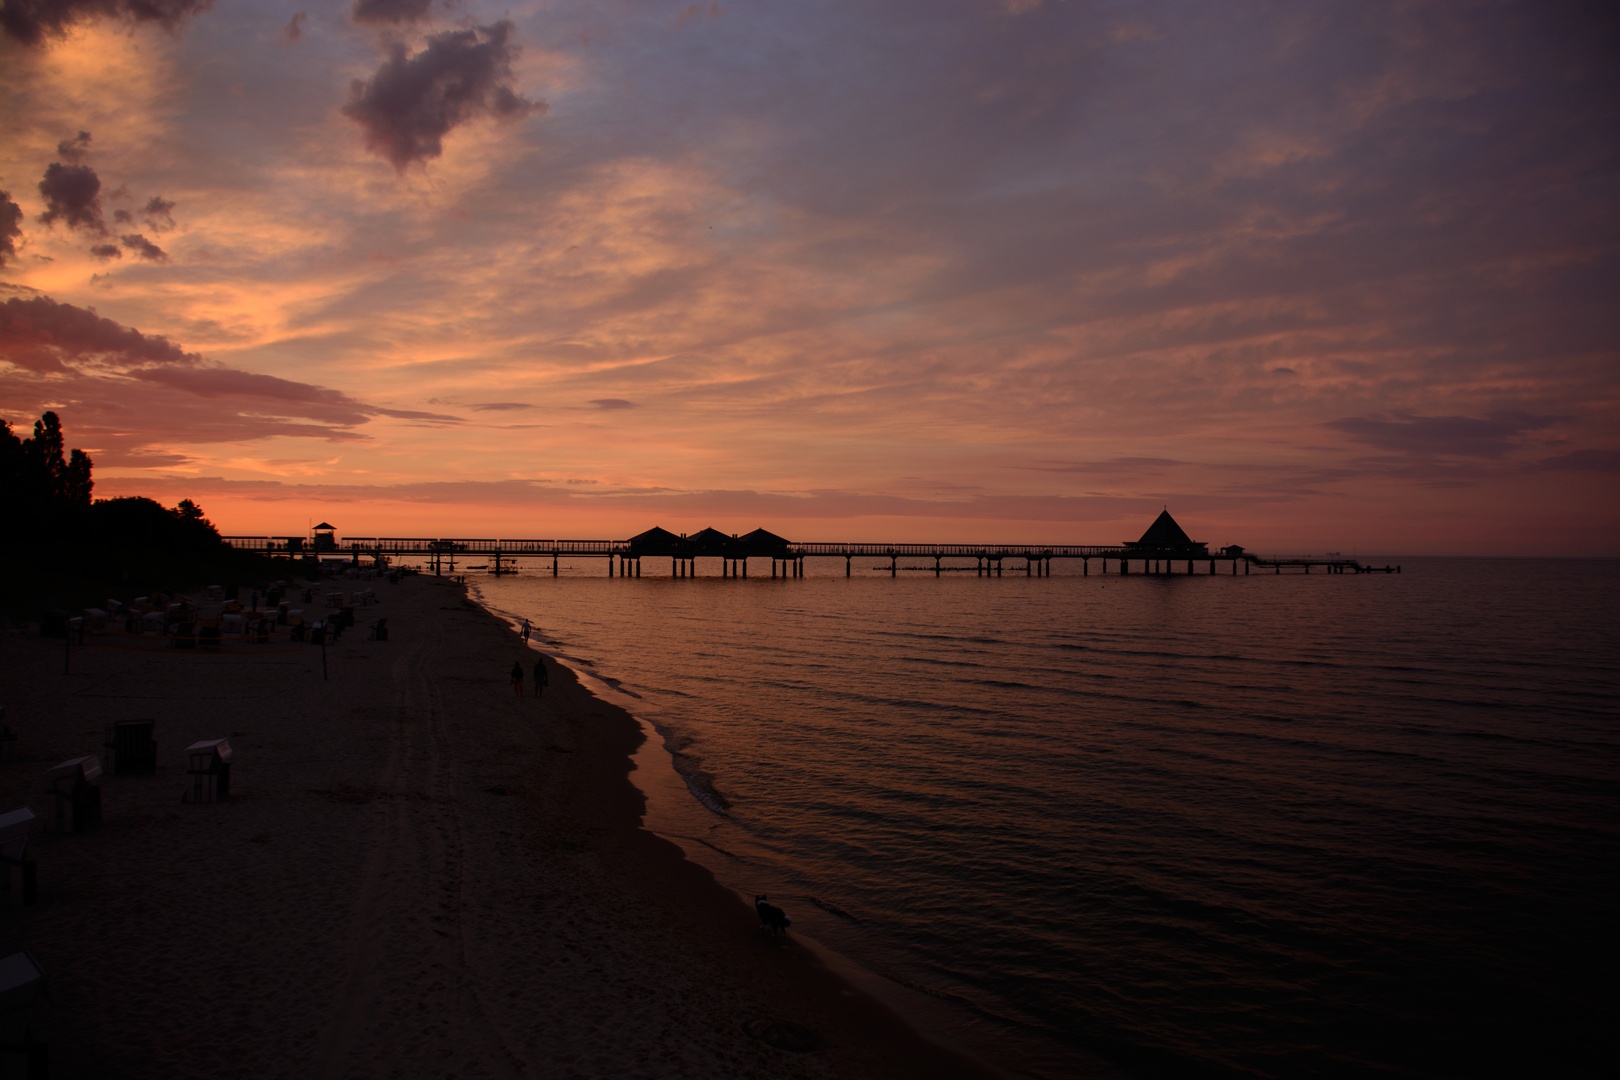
[(1237, 826)]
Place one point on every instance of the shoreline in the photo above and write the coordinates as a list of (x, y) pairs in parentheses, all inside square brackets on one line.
[(678, 812), (670, 802), (373, 899)]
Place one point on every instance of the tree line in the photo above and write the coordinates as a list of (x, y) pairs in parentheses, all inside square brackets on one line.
[(84, 550)]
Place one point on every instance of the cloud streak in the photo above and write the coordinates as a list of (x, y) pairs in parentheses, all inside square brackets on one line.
[(145, 391)]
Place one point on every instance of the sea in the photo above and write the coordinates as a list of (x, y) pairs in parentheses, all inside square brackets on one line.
[(1229, 826)]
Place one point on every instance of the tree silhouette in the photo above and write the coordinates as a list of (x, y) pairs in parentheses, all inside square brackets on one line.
[(36, 475)]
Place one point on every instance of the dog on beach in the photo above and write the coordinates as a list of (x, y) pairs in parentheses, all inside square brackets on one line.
[(771, 917)]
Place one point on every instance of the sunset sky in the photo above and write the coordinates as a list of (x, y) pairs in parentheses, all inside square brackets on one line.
[(1314, 275)]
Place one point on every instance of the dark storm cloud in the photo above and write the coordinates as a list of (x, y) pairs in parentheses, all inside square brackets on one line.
[(144, 248), (73, 150), (72, 194), (32, 21), (11, 216), (412, 102), (1459, 435), (148, 389), (389, 11)]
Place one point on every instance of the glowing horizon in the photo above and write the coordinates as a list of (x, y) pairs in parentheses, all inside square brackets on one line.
[(1333, 279)]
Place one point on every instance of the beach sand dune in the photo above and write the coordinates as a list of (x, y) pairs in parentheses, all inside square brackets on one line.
[(419, 874)]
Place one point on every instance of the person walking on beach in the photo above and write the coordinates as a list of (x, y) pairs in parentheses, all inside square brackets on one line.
[(540, 678), (524, 634), (517, 678)]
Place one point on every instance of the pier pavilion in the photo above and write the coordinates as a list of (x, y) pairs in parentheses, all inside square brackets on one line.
[(1162, 549)]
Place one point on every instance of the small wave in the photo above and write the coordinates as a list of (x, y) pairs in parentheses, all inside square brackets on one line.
[(833, 909)]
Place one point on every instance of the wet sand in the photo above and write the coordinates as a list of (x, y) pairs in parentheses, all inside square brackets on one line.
[(419, 874)]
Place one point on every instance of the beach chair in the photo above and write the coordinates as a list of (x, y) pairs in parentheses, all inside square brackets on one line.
[(208, 771), (17, 870), (130, 747), (379, 629), (76, 800), (22, 982)]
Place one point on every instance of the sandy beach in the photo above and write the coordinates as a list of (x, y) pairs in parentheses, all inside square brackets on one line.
[(418, 874)]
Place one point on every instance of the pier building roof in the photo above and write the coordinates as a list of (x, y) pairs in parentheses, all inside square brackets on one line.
[(711, 542), (764, 542), (1166, 535), (656, 541)]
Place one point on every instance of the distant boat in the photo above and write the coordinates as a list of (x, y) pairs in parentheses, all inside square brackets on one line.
[(480, 566)]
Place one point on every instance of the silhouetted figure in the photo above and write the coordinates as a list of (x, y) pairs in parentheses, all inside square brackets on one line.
[(517, 679), (772, 917), (524, 633), (540, 677)]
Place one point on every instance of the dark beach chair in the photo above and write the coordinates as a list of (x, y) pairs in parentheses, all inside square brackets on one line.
[(76, 798), (130, 747), (379, 629), (208, 771), (22, 983), (17, 870)]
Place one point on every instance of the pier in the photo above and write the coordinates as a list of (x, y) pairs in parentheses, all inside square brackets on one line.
[(1163, 549)]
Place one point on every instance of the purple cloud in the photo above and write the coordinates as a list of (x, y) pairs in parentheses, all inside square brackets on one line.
[(144, 389), (1459, 435), (72, 194), (74, 150), (144, 248), (389, 12), (32, 21), (1597, 461), (157, 213), (42, 335), (106, 251), (294, 30), (412, 102), (11, 216), (612, 403)]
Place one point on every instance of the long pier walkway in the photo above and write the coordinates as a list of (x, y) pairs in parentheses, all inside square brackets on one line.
[(787, 558)]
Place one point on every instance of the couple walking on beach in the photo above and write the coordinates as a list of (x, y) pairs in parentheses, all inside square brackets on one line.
[(540, 679)]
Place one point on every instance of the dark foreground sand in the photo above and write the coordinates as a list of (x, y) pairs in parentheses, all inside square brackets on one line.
[(419, 875)]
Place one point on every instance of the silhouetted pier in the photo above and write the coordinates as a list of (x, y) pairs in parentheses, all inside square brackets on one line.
[(1163, 549)]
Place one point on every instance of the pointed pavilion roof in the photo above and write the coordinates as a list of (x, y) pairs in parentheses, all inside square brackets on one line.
[(711, 539), (1165, 534), (762, 542), (656, 541), (324, 527), (765, 538)]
